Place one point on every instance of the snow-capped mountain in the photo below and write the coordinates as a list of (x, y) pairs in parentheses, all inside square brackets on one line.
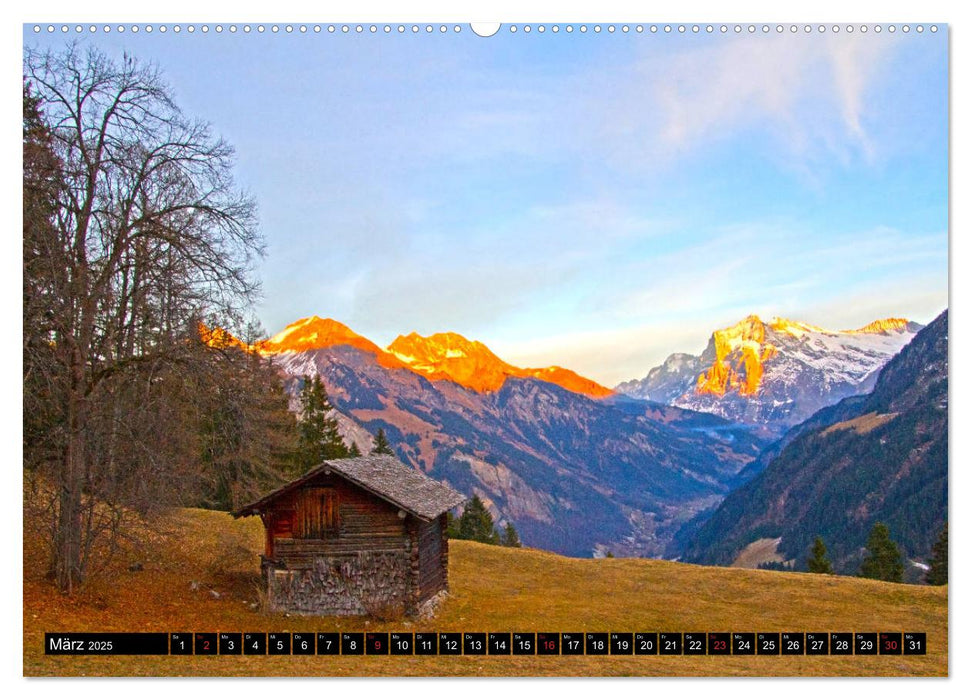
[(666, 382), (314, 333), (473, 365), (777, 373), (440, 356)]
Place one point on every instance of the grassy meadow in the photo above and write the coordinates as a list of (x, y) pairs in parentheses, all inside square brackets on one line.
[(200, 574)]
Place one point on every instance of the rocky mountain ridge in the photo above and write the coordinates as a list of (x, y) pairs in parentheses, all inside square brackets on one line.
[(440, 356), (775, 373)]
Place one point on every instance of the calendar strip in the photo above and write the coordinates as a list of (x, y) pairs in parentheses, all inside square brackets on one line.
[(486, 643)]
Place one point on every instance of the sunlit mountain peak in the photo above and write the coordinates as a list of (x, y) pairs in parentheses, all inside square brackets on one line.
[(472, 364), (743, 350), (794, 328), (313, 333), (883, 325)]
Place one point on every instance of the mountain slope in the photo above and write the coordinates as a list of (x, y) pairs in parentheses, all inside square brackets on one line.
[(879, 457), (777, 373)]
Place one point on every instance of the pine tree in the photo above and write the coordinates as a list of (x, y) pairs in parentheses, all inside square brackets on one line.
[(937, 575), (452, 526), (476, 523), (510, 538), (242, 425), (319, 438), (883, 560), (354, 450), (381, 444), (775, 566), (609, 555), (818, 562)]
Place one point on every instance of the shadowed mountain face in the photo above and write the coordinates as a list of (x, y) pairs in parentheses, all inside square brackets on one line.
[(877, 457), (576, 475), (774, 374)]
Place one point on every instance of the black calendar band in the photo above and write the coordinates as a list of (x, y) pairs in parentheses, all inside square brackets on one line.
[(487, 643)]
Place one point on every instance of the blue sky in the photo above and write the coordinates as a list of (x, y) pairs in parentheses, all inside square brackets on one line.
[(593, 201)]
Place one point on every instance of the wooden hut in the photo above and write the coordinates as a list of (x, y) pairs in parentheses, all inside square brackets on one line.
[(358, 536)]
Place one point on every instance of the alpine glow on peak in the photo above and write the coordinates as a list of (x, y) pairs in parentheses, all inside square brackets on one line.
[(779, 372), (440, 356)]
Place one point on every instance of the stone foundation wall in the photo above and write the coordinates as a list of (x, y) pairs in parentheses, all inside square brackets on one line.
[(365, 583)]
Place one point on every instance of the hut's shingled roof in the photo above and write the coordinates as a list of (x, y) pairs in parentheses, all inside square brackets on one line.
[(384, 476)]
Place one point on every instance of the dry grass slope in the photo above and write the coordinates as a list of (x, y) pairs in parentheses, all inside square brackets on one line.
[(198, 553), (862, 424), (761, 551)]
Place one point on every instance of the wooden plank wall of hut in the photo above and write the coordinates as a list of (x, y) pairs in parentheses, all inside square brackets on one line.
[(431, 572), (366, 524)]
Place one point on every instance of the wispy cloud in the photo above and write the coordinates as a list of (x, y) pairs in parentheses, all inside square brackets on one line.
[(805, 96)]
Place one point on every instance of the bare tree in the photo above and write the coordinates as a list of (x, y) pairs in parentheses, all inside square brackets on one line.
[(145, 234)]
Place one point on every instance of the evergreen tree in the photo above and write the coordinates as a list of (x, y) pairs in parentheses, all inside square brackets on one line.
[(476, 523), (381, 444), (818, 562), (510, 538), (937, 575), (354, 450), (319, 438), (244, 428), (609, 555), (883, 560)]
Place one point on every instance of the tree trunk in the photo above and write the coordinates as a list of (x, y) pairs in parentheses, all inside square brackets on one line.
[(67, 552)]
